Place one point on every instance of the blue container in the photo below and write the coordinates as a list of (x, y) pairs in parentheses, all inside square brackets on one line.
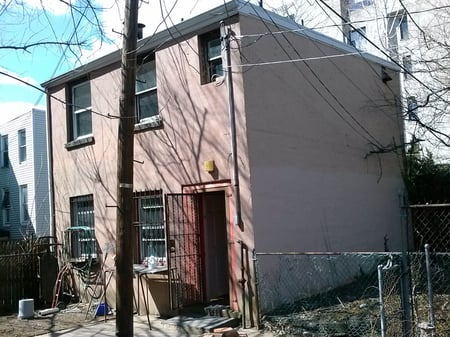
[(102, 309)]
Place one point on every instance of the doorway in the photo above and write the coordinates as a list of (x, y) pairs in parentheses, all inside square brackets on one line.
[(197, 241), (215, 247)]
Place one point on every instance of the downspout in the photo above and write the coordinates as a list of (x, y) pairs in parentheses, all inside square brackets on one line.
[(51, 195), (225, 37)]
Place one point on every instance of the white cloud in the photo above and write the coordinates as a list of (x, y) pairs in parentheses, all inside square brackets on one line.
[(10, 80), (11, 110)]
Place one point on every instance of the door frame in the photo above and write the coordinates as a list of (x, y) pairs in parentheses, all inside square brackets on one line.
[(226, 187)]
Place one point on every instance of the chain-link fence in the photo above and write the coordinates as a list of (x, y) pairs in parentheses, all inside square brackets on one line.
[(320, 294), (430, 292), (431, 225), (354, 294)]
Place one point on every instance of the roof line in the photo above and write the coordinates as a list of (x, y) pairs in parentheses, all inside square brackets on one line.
[(215, 15)]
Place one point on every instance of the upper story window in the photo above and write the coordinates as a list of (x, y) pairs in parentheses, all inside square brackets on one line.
[(151, 234), (357, 4), (147, 111), (412, 106), (22, 141), (211, 57), (403, 27), (4, 151), (357, 38), (23, 197), (407, 65), (397, 29), (6, 207), (81, 111)]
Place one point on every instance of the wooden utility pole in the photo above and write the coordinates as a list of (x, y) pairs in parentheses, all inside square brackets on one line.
[(125, 151)]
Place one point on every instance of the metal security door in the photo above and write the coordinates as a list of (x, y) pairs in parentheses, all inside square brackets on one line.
[(183, 250)]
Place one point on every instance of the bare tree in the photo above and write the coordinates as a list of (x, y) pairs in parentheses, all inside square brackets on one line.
[(68, 28), (411, 33)]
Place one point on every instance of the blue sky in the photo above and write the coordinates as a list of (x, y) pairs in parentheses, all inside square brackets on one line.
[(30, 23)]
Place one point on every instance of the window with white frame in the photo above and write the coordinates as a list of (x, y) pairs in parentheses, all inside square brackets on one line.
[(6, 207), (211, 56), (80, 237), (81, 110), (150, 227), (22, 141), (146, 92), (23, 198), (357, 38), (4, 151)]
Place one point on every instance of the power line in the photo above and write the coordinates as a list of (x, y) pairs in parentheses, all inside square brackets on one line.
[(377, 143), (384, 53), (297, 60), (305, 28)]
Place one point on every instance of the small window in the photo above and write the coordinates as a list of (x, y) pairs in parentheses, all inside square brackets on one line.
[(6, 207), (211, 54), (358, 4), (80, 237), (22, 140), (412, 108), (150, 228), (146, 94), (4, 151), (404, 34), (407, 65), (357, 38), (23, 197), (81, 118)]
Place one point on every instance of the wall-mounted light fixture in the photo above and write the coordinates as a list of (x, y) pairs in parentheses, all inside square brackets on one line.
[(209, 166)]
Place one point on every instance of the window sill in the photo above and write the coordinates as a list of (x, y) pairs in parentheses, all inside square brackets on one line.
[(79, 143), (153, 123)]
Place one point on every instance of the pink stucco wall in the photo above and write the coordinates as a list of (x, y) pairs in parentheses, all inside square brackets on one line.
[(311, 129), (305, 180)]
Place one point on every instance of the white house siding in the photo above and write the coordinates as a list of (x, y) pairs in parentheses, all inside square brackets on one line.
[(40, 163), (30, 172), (424, 17)]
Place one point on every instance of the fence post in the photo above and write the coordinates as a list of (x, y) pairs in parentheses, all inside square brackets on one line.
[(255, 268), (380, 294), (405, 270), (430, 289)]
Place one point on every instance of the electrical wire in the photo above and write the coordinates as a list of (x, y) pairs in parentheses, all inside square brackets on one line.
[(364, 133), (383, 52)]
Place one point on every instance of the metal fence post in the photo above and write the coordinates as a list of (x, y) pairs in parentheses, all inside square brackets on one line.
[(380, 292), (430, 289), (406, 295)]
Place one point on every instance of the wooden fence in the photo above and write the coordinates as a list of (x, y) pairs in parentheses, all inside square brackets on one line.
[(20, 266)]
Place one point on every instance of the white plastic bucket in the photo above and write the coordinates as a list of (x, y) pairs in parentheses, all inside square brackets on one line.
[(26, 308)]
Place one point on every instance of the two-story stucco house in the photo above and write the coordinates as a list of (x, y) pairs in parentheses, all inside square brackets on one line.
[(311, 165), (24, 176)]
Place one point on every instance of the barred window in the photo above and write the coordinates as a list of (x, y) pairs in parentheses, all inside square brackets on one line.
[(80, 237), (150, 228)]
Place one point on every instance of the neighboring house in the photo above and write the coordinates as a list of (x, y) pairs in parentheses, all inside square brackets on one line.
[(412, 33), (318, 161), (24, 182)]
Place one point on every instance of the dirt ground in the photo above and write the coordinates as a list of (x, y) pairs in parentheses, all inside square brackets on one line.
[(72, 317)]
